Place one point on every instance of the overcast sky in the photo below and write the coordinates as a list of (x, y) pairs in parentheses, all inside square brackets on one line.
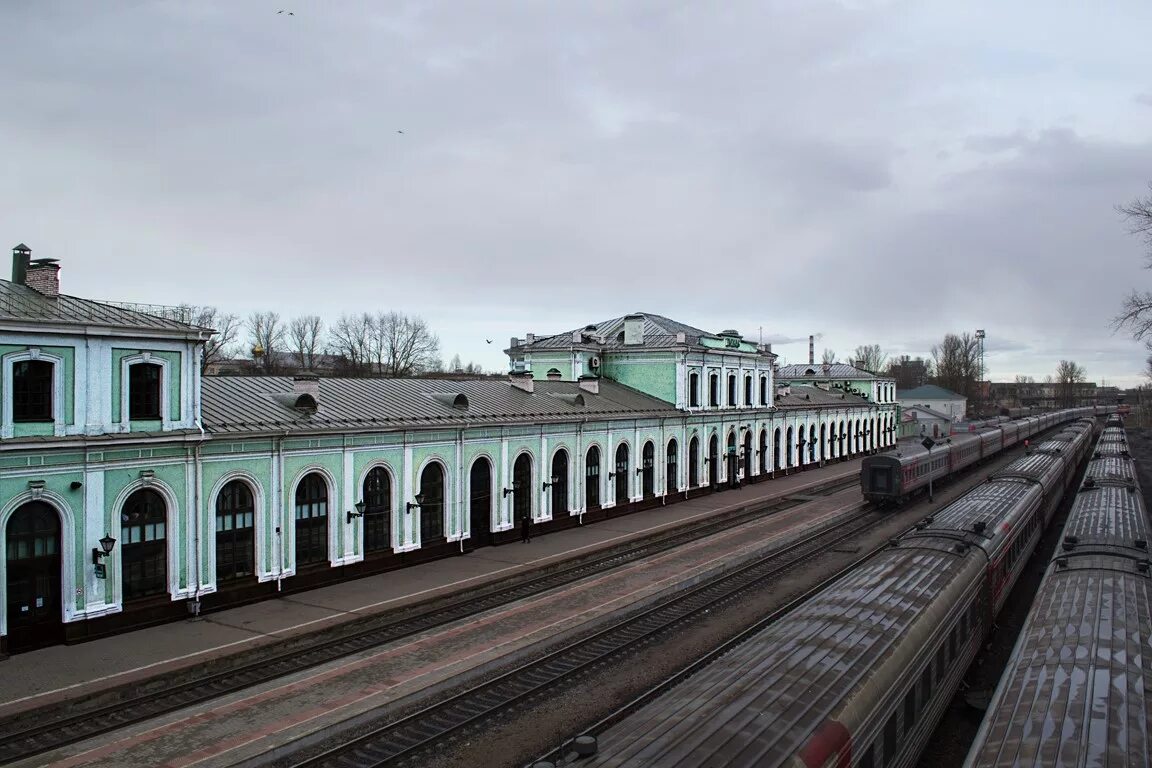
[(871, 171)]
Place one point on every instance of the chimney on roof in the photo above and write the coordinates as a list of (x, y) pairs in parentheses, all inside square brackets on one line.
[(859, 364), (681, 337), (634, 329), (21, 256), (43, 276), (811, 350), (529, 338), (522, 380), (590, 384)]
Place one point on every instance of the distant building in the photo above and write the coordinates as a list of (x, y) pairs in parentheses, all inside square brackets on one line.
[(934, 398), (909, 373), (928, 422)]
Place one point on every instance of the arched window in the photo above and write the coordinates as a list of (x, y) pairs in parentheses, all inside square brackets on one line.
[(693, 390), (748, 389), (621, 474), (763, 390), (31, 391), (522, 491), (713, 390), (377, 496), (311, 520), (812, 443), (648, 470), (235, 532), (559, 482), (671, 472), (432, 506), (788, 447), (592, 479), (776, 449), (823, 443), (748, 454), (713, 461), (693, 463), (144, 381), (764, 451), (732, 402), (144, 537)]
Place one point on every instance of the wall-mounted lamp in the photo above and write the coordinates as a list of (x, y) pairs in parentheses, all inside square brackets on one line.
[(612, 475), (421, 500), (75, 485), (549, 483), (360, 506), (105, 549), (640, 470)]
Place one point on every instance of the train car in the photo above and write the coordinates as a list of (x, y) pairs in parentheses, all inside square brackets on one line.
[(891, 477), (861, 673), (1077, 690)]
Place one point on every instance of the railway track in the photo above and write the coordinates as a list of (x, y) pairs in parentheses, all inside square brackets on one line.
[(407, 741), (39, 731)]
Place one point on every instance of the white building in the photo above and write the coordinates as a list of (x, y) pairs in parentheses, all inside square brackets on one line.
[(934, 398)]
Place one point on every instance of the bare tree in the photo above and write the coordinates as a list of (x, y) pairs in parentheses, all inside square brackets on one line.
[(266, 332), (305, 335), (222, 345), (1026, 390), (957, 363), (1068, 376), (873, 357), (407, 346), (351, 339), (1136, 311), (455, 365), (829, 357)]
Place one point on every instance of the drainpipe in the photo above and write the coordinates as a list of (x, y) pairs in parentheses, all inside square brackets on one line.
[(197, 521), (279, 501)]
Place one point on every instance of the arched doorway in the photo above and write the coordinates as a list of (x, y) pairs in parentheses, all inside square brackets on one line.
[(841, 440), (432, 504), (694, 462), (713, 461), (592, 479), (648, 470), (34, 598), (311, 520), (522, 488), (621, 474), (788, 448), (559, 483), (748, 454), (764, 451), (235, 533), (776, 449), (377, 497), (144, 540), (480, 502), (812, 443), (823, 442), (671, 469)]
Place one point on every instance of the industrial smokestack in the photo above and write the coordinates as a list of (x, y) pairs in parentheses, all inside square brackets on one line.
[(811, 350)]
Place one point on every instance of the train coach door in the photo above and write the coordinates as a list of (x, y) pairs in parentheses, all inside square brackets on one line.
[(32, 584)]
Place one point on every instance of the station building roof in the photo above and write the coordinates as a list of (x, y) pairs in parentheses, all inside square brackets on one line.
[(659, 332), (820, 372), (928, 392), (269, 403), (809, 396), (19, 303)]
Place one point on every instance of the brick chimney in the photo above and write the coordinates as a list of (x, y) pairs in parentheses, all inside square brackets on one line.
[(590, 384), (44, 277), (522, 380)]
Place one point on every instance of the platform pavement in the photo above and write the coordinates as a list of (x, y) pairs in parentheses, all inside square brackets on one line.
[(58, 673)]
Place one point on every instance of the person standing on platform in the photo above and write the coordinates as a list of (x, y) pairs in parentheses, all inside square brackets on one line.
[(526, 528)]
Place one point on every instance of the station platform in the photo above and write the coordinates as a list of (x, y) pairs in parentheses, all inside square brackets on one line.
[(61, 673)]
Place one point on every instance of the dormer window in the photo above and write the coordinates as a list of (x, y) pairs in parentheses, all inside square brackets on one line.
[(144, 381), (32, 391)]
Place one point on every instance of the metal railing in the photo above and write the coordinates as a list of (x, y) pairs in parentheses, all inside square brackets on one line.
[(181, 314)]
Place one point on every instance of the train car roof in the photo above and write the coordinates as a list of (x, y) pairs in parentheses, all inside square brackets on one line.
[(1083, 666), (1110, 469), (761, 703), (989, 504), (1110, 518)]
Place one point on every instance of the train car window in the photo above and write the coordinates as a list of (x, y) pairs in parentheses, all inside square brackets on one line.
[(881, 479), (909, 711), (941, 663), (954, 643), (926, 686), (890, 735), (866, 758)]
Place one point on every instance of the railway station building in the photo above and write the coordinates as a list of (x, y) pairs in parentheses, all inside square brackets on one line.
[(135, 490)]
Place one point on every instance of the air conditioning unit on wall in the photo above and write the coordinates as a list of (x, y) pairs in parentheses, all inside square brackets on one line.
[(594, 362)]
